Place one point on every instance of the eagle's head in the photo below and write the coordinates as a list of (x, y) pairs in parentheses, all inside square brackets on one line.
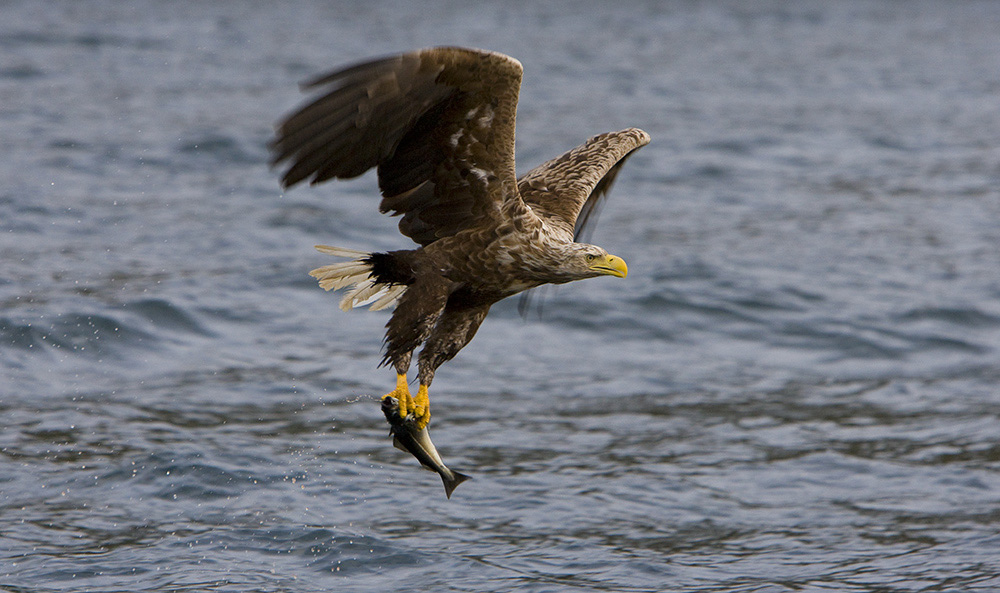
[(588, 261)]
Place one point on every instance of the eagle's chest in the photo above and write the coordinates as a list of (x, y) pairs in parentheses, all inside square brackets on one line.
[(502, 260), (512, 263)]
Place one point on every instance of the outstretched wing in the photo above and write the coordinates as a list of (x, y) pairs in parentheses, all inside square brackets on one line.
[(567, 191), (437, 123)]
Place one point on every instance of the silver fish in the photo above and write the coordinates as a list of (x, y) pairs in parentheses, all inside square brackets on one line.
[(417, 442)]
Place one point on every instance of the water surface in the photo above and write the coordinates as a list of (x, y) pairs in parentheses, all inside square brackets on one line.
[(794, 390)]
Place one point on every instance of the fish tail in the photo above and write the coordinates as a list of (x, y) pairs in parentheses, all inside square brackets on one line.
[(359, 277), (456, 479)]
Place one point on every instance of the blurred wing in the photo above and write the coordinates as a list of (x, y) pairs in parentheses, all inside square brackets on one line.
[(437, 123), (568, 190)]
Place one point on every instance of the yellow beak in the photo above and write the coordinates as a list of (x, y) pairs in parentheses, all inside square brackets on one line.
[(611, 265)]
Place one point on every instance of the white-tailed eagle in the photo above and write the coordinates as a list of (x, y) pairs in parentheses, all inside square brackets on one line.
[(438, 124)]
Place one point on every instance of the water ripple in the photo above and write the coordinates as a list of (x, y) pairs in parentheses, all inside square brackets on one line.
[(794, 390)]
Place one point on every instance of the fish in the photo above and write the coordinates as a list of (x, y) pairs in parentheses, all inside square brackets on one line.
[(417, 442)]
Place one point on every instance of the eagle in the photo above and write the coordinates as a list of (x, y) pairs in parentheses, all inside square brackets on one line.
[(438, 126)]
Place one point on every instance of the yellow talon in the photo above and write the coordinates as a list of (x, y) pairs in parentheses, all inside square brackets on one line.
[(402, 394), (422, 407)]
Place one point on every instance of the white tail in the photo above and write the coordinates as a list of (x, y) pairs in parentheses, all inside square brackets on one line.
[(356, 274)]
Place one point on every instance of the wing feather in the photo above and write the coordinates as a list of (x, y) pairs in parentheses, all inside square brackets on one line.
[(567, 190), (438, 124)]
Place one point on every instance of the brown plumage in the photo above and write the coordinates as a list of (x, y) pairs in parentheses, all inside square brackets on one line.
[(438, 124)]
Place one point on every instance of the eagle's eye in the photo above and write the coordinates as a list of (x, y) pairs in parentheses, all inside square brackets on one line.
[(591, 257)]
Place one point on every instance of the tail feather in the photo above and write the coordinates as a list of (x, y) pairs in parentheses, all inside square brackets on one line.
[(341, 251), (356, 274), (361, 292), (392, 294), (336, 276)]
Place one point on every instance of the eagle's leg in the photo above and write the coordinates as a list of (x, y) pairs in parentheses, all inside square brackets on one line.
[(455, 328), (422, 406), (414, 319), (402, 394)]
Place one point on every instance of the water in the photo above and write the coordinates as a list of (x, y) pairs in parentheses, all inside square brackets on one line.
[(794, 390)]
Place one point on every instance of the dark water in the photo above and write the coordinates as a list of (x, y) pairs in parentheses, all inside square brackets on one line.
[(796, 389)]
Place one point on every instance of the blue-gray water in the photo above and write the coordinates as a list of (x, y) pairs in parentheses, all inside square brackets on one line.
[(795, 389)]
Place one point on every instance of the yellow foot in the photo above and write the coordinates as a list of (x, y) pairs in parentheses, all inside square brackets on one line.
[(422, 407), (402, 394)]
